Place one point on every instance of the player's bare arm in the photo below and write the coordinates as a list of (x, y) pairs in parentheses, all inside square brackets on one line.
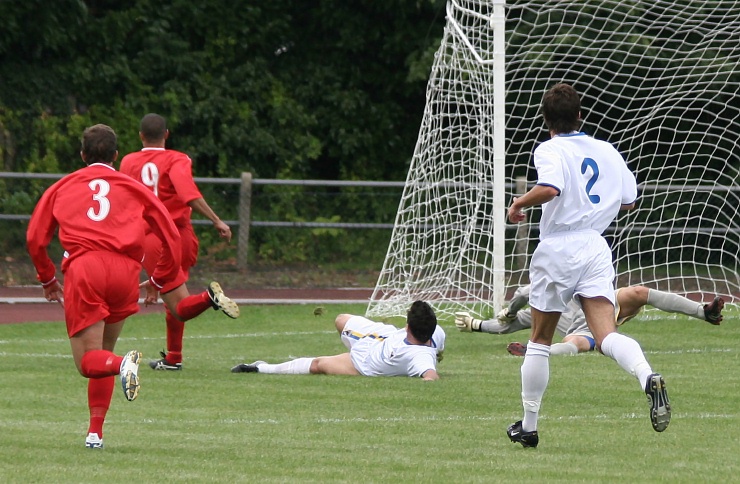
[(53, 291), (538, 195), (152, 294), (202, 207), (430, 375)]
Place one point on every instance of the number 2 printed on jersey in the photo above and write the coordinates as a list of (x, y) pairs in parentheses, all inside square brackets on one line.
[(591, 163)]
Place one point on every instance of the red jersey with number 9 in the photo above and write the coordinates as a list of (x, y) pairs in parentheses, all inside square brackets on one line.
[(169, 174), (99, 209)]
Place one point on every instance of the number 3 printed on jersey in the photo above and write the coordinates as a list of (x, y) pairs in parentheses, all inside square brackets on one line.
[(591, 163), (102, 188)]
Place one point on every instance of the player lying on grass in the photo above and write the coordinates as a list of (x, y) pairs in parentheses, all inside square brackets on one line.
[(572, 324), (375, 349)]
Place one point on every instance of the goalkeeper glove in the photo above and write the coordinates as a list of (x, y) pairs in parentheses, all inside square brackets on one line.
[(505, 317), (465, 322)]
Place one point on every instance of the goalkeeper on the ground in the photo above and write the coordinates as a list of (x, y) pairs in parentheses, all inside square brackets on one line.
[(572, 324)]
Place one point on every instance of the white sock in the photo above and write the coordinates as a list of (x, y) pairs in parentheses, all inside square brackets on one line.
[(673, 303), (566, 348), (535, 376), (628, 354), (299, 366)]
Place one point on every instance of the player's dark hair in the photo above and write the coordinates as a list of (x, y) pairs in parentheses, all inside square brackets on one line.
[(561, 108), (153, 127), (99, 144), (421, 320)]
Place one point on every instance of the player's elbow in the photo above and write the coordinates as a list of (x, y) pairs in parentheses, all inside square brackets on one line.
[(430, 375)]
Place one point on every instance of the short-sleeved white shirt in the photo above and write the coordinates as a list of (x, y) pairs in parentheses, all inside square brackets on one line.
[(378, 349), (592, 179)]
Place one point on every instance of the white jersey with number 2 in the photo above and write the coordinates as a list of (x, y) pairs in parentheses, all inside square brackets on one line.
[(592, 179)]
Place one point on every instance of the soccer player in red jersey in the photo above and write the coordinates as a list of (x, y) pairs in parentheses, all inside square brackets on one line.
[(168, 173), (102, 216)]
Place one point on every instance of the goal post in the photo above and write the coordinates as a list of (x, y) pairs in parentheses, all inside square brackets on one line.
[(447, 245), (657, 79)]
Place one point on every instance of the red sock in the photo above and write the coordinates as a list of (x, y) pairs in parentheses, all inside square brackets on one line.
[(175, 330), (193, 306), (100, 363), (99, 393)]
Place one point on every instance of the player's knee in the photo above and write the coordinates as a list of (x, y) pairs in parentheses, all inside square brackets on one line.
[(341, 321), (316, 367), (641, 294)]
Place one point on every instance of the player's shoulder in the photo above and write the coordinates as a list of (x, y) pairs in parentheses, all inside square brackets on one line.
[(130, 162), (95, 171), (177, 156)]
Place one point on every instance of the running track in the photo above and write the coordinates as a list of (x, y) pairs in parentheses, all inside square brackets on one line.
[(27, 303)]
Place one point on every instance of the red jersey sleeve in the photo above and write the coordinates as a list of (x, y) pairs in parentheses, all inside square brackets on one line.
[(181, 175), (40, 231)]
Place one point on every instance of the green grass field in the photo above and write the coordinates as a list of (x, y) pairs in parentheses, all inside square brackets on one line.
[(205, 424)]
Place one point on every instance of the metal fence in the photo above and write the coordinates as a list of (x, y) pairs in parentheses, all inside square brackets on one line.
[(243, 219)]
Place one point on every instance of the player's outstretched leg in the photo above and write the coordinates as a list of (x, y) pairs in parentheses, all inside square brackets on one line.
[(660, 407), (220, 301), (247, 368), (130, 374), (713, 311), (527, 439)]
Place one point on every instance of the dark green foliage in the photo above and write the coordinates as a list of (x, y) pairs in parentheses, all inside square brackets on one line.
[(282, 88)]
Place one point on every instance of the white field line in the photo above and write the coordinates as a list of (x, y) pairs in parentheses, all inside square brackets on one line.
[(380, 420), (295, 333), (157, 338)]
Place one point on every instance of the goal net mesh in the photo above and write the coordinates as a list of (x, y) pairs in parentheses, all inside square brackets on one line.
[(657, 79)]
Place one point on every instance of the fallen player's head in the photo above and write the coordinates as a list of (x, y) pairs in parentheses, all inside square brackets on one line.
[(421, 320)]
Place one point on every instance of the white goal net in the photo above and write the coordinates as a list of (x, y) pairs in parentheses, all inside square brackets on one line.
[(657, 79)]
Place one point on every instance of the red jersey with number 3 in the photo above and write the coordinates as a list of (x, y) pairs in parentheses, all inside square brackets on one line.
[(169, 174), (99, 209)]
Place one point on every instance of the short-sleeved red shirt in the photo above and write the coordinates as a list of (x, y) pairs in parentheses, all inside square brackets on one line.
[(169, 174)]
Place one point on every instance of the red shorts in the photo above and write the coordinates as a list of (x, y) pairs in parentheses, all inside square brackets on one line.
[(100, 286), (153, 251)]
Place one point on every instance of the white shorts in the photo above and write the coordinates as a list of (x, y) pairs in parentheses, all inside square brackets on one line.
[(570, 264), (358, 327)]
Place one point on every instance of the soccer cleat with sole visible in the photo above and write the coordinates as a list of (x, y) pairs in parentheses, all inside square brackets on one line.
[(660, 407), (164, 365), (527, 439), (247, 368), (713, 311), (516, 349), (92, 441), (130, 374), (219, 300)]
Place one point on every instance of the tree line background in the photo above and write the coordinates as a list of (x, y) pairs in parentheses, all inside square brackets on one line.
[(290, 89)]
